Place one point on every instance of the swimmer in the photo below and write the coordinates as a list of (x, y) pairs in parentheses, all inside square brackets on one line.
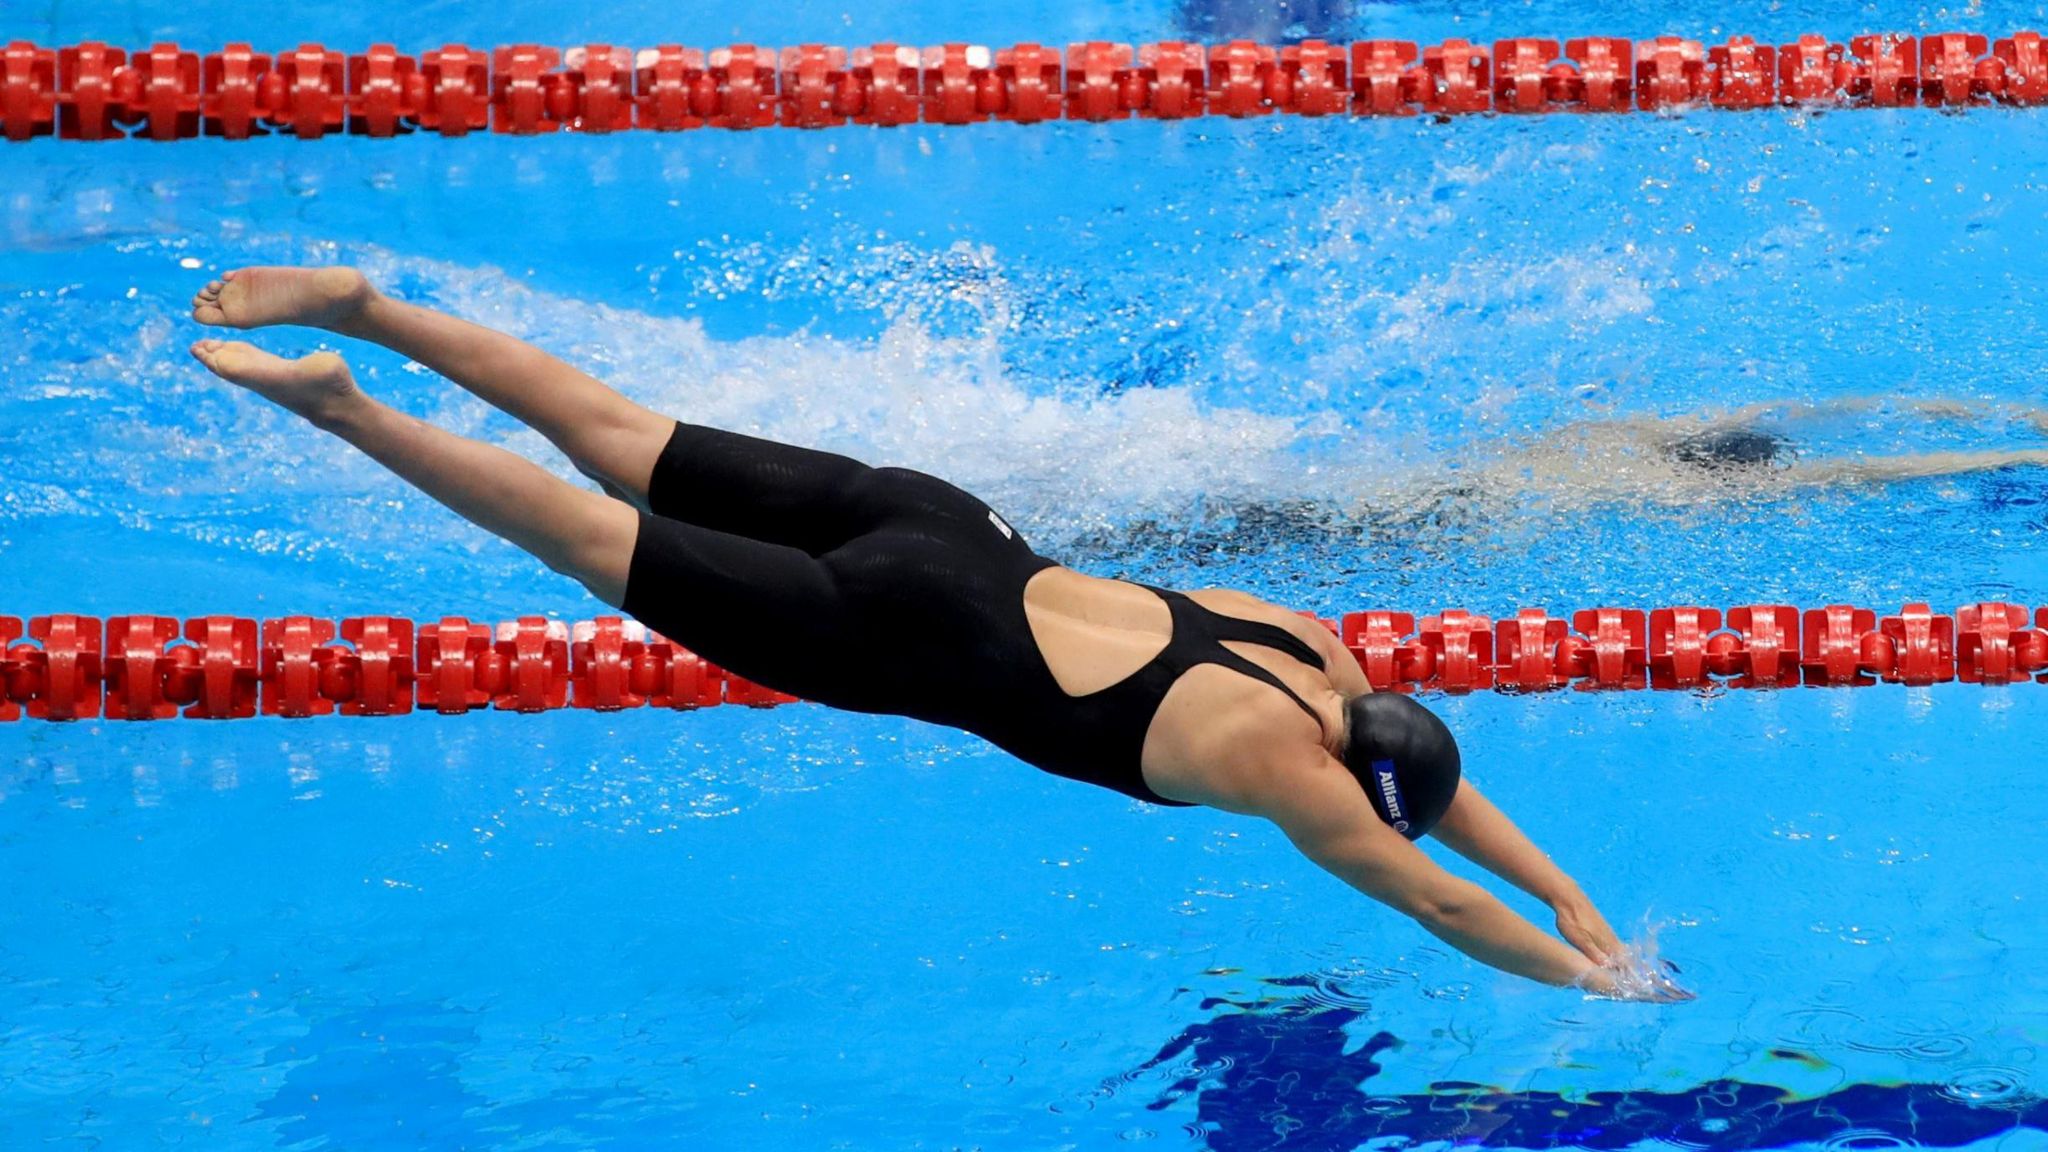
[(889, 591)]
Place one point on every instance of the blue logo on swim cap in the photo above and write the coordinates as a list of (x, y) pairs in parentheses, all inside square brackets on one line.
[(1390, 794)]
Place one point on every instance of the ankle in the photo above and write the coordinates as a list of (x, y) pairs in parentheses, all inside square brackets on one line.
[(340, 411), (361, 316)]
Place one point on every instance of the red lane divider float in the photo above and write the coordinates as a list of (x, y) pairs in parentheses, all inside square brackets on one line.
[(1759, 646), (65, 667), (94, 91), (226, 668)]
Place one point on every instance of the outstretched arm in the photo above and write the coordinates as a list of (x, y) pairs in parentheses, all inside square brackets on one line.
[(1326, 814), (1483, 834)]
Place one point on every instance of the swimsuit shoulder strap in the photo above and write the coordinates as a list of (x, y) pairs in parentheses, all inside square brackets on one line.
[(1199, 633)]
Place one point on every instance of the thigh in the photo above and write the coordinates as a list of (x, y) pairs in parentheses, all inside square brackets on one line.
[(769, 612), (746, 486)]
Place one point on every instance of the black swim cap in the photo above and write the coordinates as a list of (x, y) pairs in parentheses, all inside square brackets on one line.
[(1731, 447), (1404, 758)]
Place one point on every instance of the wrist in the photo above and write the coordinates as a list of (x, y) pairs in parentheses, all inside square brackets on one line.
[(1566, 893), (1594, 979)]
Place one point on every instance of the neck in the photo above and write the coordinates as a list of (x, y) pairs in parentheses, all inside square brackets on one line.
[(1329, 708)]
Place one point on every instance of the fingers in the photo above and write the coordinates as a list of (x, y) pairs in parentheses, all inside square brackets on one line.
[(1666, 992), (1671, 985), (1661, 992)]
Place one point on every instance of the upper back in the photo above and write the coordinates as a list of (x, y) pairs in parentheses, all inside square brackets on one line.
[(1164, 694)]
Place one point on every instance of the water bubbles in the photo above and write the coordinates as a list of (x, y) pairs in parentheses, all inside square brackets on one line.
[(1817, 1027), (1865, 1140), (1333, 992), (1985, 1085), (1862, 935), (1349, 989), (1387, 1105), (1916, 1045)]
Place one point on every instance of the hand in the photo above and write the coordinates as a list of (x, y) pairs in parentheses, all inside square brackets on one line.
[(1582, 925), (1629, 977)]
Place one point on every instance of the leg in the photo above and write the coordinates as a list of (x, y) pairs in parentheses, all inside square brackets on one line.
[(583, 535), (610, 438), (813, 501)]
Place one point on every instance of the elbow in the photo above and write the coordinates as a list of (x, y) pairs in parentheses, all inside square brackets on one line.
[(1440, 906)]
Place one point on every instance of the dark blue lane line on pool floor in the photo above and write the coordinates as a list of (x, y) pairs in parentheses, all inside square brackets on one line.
[(1277, 1077)]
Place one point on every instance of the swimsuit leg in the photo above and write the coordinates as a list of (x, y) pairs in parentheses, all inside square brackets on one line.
[(770, 612), (872, 589), (800, 497)]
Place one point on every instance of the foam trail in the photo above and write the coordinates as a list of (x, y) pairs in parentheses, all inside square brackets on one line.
[(1074, 464), (1080, 460), (910, 397)]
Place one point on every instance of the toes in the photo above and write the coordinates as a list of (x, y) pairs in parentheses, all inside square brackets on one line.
[(217, 354), (206, 307)]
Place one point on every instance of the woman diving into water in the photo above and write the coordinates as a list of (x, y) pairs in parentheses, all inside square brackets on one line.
[(773, 561)]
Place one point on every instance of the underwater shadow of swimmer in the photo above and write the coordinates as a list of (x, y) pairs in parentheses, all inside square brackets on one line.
[(1278, 1078)]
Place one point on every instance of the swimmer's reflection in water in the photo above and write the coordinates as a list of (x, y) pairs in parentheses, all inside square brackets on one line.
[(774, 561), (1300, 1074)]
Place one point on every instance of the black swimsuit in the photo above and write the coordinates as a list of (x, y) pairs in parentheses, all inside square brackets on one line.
[(886, 590)]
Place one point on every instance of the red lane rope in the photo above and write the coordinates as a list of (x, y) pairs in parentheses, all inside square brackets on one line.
[(136, 668), (94, 91)]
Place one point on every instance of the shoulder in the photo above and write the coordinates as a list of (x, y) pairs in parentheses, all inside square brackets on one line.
[(1220, 598), (1247, 606), (1308, 629)]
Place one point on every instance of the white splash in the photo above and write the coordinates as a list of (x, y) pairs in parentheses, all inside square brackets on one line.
[(913, 398), (1639, 971)]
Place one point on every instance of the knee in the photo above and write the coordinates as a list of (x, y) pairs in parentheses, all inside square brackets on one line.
[(599, 553), (610, 488), (620, 454)]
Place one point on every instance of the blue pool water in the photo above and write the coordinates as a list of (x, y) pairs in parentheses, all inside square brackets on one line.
[(1342, 364)]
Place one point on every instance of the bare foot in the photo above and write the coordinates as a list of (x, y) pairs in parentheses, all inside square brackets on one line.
[(317, 387), (257, 297)]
